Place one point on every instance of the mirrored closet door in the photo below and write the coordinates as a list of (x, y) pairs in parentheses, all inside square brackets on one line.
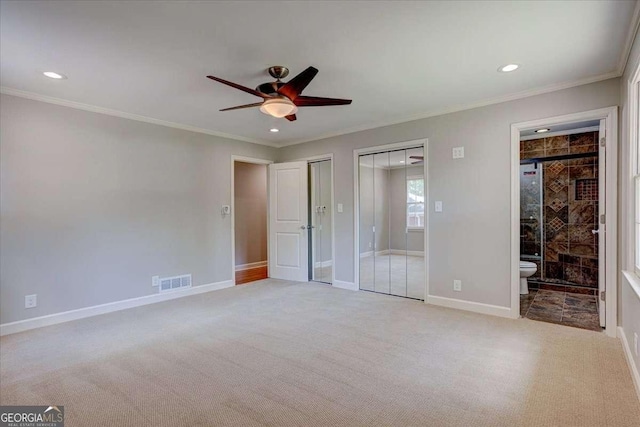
[(391, 217), (320, 213)]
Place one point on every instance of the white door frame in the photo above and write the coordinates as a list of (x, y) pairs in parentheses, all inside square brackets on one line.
[(424, 142), (320, 158), (610, 114), (234, 159)]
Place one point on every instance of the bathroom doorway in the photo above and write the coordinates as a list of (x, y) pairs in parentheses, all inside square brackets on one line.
[(563, 222)]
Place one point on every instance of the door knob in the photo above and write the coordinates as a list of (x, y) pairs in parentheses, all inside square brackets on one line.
[(595, 231)]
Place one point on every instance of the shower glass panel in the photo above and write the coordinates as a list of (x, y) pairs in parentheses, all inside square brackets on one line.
[(382, 223), (366, 218), (398, 228), (320, 212), (531, 224), (414, 220)]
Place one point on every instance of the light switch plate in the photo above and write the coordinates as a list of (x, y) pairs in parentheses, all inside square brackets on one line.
[(457, 285), (458, 152), (340, 208), (155, 281), (438, 206)]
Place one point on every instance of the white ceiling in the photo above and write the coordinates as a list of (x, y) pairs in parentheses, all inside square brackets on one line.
[(397, 60)]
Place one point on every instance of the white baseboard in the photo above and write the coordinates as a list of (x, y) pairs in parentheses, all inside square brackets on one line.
[(635, 375), (243, 267), (476, 307), (81, 313), (345, 285)]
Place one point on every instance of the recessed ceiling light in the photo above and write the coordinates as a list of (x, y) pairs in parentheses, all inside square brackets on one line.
[(543, 130), (274, 130), (54, 75), (508, 68)]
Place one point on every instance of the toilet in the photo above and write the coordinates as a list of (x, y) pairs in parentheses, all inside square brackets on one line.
[(527, 269)]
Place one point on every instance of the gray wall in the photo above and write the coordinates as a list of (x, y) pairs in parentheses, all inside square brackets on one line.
[(250, 205), (414, 239), (92, 206), (628, 300), (470, 240)]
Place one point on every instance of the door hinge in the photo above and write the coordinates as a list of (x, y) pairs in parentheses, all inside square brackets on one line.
[(603, 296), (603, 219), (603, 142)]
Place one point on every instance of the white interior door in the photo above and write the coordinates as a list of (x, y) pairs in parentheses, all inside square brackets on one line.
[(601, 226), (288, 244)]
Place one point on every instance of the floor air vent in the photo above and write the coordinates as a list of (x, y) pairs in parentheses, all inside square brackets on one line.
[(173, 283)]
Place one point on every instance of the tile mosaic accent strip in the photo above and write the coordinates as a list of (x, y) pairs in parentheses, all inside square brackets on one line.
[(556, 185), (586, 189), (557, 204), (555, 167), (556, 224)]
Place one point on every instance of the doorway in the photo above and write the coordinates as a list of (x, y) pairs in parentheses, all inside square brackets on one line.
[(250, 220), (301, 221), (563, 220)]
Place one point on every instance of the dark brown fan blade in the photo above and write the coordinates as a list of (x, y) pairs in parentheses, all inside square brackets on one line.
[(239, 107), (314, 101), (290, 117), (417, 157), (296, 85), (239, 87)]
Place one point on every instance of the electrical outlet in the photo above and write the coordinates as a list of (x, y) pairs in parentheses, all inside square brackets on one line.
[(458, 152), (155, 281), (30, 301), (635, 343), (457, 285)]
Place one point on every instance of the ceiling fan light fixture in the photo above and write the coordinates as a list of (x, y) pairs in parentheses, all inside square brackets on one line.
[(278, 107)]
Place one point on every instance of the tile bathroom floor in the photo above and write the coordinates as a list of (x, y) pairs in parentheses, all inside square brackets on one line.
[(563, 308)]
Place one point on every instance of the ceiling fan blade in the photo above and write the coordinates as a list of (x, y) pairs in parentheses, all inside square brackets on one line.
[(239, 107), (296, 85), (239, 87), (417, 157), (290, 117), (314, 101)]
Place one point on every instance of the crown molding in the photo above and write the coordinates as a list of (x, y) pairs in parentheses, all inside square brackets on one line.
[(631, 35), (369, 126), (462, 107), (101, 110)]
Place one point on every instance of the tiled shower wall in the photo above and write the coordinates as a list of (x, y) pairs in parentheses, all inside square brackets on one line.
[(570, 208)]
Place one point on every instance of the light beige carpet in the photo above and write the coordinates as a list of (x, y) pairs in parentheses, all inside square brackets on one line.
[(279, 353)]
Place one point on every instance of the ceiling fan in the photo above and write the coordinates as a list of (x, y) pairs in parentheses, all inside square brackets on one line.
[(419, 160), (282, 99)]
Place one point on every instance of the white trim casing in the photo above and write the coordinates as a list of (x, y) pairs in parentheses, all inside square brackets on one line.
[(96, 310), (635, 375), (610, 114)]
